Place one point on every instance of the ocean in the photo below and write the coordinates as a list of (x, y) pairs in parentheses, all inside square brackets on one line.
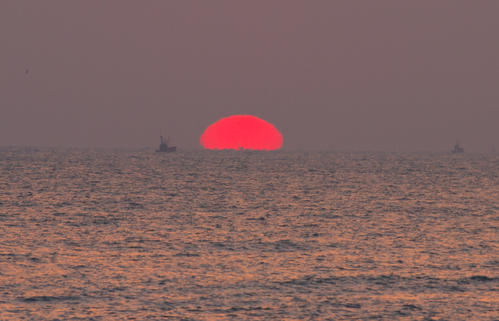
[(206, 235)]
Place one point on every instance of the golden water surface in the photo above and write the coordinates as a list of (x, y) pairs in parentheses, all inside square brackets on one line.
[(133, 235)]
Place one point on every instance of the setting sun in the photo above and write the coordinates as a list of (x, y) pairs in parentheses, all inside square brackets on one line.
[(241, 132)]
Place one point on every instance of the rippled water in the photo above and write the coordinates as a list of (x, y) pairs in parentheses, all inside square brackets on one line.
[(116, 235)]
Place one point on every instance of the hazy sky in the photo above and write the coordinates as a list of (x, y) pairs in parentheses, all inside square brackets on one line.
[(333, 75)]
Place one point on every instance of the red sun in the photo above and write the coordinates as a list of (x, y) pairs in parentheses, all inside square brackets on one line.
[(241, 132)]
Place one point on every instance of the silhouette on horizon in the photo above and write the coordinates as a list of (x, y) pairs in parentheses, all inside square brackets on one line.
[(163, 146), (457, 149)]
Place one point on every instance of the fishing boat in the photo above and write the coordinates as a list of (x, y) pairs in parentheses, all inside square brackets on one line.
[(457, 149), (164, 148)]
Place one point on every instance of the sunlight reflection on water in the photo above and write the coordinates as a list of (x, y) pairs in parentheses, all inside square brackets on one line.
[(247, 235)]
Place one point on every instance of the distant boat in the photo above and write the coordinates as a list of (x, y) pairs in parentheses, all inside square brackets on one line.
[(163, 147), (457, 149)]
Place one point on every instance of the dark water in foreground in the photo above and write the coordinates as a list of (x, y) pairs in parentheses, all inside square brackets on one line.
[(95, 235)]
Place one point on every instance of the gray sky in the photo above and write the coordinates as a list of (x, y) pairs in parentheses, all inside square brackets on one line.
[(341, 75)]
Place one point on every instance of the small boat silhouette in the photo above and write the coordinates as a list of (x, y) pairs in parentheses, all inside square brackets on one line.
[(164, 148), (457, 149)]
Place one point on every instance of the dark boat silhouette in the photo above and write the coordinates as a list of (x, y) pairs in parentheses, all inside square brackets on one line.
[(457, 149), (164, 148)]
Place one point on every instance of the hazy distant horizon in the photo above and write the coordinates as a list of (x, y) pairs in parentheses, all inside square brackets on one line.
[(331, 76), (180, 149)]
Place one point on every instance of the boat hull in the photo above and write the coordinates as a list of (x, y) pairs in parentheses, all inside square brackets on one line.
[(168, 150)]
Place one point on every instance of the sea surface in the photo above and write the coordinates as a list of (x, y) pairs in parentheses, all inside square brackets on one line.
[(138, 235)]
